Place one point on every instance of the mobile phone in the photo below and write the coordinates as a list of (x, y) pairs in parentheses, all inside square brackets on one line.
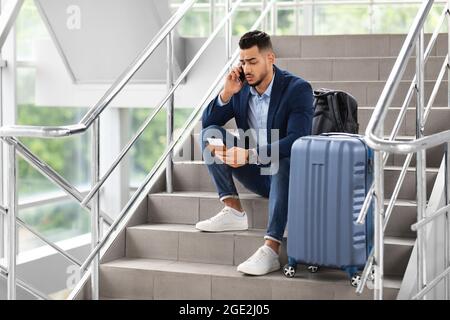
[(242, 76), (215, 142)]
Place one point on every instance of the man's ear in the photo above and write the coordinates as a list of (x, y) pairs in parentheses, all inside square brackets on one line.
[(271, 57)]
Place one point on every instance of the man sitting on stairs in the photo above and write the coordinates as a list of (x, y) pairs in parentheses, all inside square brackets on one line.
[(267, 100)]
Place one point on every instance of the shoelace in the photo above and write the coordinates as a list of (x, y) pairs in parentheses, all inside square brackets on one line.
[(220, 215), (258, 255)]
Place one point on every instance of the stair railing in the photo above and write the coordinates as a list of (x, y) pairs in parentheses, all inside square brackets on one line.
[(383, 148), (394, 133), (9, 135)]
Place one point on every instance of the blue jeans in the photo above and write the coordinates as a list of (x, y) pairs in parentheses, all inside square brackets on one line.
[(275, 186)]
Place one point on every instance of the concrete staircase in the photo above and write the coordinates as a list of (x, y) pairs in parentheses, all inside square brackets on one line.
[(164, 257)]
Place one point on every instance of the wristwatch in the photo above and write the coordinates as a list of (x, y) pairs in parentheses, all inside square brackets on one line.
[(253, 157)]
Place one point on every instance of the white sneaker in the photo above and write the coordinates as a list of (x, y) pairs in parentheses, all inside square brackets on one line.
[(263, 261), (227, 219)]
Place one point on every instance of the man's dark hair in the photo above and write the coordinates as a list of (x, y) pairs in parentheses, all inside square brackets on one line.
[(256, 38)]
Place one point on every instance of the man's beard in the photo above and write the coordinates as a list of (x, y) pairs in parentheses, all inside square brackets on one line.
[(257, 83)]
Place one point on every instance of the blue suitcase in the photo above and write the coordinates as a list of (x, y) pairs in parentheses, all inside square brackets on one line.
[(330, 176)]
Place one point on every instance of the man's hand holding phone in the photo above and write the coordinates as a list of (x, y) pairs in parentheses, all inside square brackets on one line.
[(234, 157), (234, 82), (215, 144)]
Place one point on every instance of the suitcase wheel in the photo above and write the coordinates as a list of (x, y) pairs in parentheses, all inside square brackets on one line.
[(355, 280), (289, 270), (313, 269)]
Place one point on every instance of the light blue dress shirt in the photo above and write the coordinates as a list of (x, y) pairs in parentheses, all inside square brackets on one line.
[(258, 111)]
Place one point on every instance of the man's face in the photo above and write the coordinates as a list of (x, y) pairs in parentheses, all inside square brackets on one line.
[(256, 64)]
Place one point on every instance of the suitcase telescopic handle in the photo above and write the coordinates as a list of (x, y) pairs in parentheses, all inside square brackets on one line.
[(330, 134)]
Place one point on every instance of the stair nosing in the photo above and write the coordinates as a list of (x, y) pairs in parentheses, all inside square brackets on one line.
[(219, 270), (387, 168), (179, 227), (400, 241), (350, 58), (204, 194)]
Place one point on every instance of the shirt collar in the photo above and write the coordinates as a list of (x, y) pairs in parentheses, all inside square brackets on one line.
[(268, 90)]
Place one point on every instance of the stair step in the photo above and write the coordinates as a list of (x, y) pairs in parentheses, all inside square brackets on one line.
[(375, 45), (193, 176), (189, 207), (130, 278), (408, 242), (368, 92), (185, 243), (354, 68)]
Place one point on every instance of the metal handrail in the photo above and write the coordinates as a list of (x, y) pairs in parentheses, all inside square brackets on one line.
[(374, 139), (97, 109), (171, 92), (420, 224), (8, 18), (68, 256), (431, 285), (50, 173), (8, 133), (402, 114), (187, 128), (387, 95), (23, 285)]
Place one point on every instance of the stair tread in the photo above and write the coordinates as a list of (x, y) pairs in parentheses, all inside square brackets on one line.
[(347, 58), (399, 241), (251, 196), (191, 228), (388, 168), (325, 276), (328, 275), (370, 81), (204, 194), (255, 233), (409, 108), (402, 203), (392, 281)]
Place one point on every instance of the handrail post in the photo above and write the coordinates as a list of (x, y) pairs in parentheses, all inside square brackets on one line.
[(264, 22), (420, 163), (12, 228), (228, 30), (274, 19), (170, 111), (211, 15), (447, 170), (447, 225), (95, 208), (371, 17), (379, 224)]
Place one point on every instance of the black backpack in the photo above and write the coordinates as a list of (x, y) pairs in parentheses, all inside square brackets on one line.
[(334, 111)]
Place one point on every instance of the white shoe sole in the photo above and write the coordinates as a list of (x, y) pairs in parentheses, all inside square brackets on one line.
[(256, 272), (230, 228)]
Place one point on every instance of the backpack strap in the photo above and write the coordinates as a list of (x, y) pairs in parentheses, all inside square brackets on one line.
[(334, 107)]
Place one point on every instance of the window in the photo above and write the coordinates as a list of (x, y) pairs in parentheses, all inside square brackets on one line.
[(294, 17), (70, 157), (151, 145)]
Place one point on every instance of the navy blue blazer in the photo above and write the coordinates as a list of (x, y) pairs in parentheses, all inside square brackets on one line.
[(290, 111)]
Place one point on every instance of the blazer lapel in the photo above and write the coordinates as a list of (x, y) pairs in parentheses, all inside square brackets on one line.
[(245, 96), (275, 97)]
